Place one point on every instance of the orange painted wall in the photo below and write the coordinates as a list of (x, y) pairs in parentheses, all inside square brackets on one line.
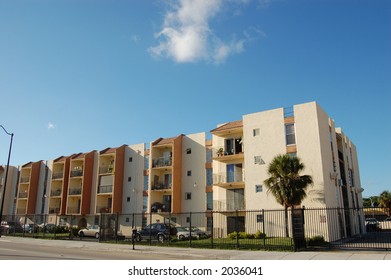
[(119, 170)]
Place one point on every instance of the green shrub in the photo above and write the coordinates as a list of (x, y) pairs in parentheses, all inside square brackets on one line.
[(316, 240), (259, 235)]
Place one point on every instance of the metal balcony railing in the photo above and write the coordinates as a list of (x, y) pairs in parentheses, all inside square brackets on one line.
[(106, 169), (228, 177), (103, 209), (57, 175), (55, 193), (73, 210), (54, 210), (24, 179), (105, 189), (77, 173), (74, 191), (161, 186), (229, 205), (161, 162), (23, 194)]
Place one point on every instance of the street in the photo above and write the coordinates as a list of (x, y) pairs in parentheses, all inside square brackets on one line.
[(12, 248)]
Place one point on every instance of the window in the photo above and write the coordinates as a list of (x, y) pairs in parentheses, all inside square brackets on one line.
[(260, 218), (188, 220), (209, 201), (130, 159), (187, 196), (127, 220), (290, 134), (258, 160), (209, 177), (128, 199), (256, 132), (146, 182), (129, 179), (188, 151), (258, 188), (189, 173)]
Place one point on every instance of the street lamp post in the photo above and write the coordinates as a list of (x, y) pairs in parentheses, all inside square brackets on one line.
[(6, 175)]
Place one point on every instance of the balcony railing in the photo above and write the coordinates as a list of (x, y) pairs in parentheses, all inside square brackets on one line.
[(105, 189), (74, 191), (25, 179), (55, 193), (161, 162), (57, 175), (161, 186), (77, 173), (221, 151), (54, 210), (23, 194), (228, 177), (73, 210), (106, 169), (103, 209), (229, 205)]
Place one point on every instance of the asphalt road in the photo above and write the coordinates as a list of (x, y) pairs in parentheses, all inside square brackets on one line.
[(32, 249)]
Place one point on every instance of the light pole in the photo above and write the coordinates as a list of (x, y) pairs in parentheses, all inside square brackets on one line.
[(6, 175)]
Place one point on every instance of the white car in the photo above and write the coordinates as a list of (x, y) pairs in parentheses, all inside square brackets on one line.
[(184, 234), (92, 231), (386, 223)]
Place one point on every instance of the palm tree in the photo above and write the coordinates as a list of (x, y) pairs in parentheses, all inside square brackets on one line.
[(385, 201), (286, 184)]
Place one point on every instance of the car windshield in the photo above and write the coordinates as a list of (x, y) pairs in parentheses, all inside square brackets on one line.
[(181, 229)]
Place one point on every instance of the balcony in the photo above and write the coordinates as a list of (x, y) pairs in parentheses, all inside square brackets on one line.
[(57, 175), (75, 191), (224, 155), (106, 169), (228, 179), (77, 172), (24, 180), (23, 194), (161, 186), (54, 210), (103, 209), (229, 205), (161, 162), (55, 193), (105, 189), (73, 210)]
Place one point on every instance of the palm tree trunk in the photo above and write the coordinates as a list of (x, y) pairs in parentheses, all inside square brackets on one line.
[(286, 222)]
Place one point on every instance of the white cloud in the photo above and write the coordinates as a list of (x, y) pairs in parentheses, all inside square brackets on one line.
[(186, 35), (51, 126)]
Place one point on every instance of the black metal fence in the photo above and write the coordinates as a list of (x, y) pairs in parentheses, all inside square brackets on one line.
[(290, 230)]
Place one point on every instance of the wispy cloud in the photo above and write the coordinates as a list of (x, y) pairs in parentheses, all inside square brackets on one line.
[(51, 126), (186, 35)]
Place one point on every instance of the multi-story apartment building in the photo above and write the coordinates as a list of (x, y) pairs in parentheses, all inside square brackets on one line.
[(243, 149), (10, 189), (177, 175), (31, 188), (188, 173)]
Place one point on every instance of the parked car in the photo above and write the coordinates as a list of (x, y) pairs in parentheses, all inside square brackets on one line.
[(371, 224), (184, 233), (92, 231), (157, 231), (11, 227), (386, 224), (200, 233)]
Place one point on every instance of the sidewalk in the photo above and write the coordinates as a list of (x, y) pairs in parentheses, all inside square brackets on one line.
[(209, 254)]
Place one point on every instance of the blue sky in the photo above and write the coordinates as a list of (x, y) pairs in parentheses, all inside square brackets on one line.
[(82, 75)]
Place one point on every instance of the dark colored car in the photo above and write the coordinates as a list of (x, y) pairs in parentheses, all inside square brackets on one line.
[(371, 224), (157, 231), (11, 227)]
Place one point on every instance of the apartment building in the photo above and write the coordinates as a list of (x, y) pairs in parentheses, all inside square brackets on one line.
[(31, 188), (242, 150), (177, 175), (10, 189), (189, 173)]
